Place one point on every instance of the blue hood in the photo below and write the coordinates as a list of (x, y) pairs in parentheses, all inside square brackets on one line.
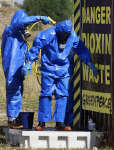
[(64, 26), (18, 15)]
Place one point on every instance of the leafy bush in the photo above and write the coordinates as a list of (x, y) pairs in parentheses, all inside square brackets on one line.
[(57, 9)]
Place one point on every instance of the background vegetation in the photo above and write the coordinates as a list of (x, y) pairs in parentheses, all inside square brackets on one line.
[(57, 9)]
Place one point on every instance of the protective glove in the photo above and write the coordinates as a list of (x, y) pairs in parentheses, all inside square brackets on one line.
[(93, 68), (45, 20), (26, 68)]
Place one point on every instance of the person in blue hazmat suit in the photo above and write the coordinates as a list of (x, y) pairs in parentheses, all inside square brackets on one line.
[(13, 51), (56, 43)]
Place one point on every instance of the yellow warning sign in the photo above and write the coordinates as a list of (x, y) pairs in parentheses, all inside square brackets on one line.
[(96, 35), (96, 101)]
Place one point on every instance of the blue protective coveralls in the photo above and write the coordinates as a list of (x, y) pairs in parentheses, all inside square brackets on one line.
[(55, 68), (13, 51)]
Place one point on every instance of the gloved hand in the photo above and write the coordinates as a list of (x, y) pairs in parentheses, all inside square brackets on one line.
[(93, 68), (26, 68), (45, 20)]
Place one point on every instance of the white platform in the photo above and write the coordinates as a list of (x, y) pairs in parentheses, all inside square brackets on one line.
[(50, 139)]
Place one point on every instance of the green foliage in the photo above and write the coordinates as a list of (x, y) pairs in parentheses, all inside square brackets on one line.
[(18, 5), (57, 9)]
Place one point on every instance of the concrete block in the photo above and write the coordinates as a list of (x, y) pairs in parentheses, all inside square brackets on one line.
[(50, 138)]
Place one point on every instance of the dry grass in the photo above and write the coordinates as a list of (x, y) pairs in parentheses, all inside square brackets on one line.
[(6, 14)]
